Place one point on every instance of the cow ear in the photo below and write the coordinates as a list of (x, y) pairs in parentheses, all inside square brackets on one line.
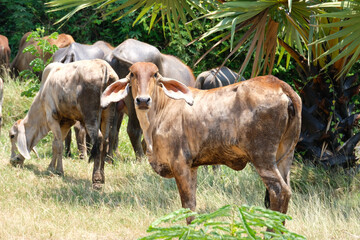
[(176, 90), (21, 141), (115, 92)]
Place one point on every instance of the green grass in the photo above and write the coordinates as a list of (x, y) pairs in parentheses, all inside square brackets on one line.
[(34, 204)]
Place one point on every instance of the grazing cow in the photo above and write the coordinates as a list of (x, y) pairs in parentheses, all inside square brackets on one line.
[(4, 51), (68, 93), (72, 53), (255, 121), (1, 100), (22, 60), (123, 56), (216, 78)]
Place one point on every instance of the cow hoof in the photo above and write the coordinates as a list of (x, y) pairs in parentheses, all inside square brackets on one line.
[(109, 160), (55, 172), (97, 186), (59, 173), (82, 156)]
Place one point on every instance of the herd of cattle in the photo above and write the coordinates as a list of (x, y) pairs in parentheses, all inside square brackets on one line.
[(183, 125)]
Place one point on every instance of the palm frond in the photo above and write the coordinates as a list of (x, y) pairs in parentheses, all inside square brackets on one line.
[(172, 11), (344, 44)]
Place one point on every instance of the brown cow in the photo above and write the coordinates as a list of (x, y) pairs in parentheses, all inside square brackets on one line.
[(68, 93), (122, 57), (22, 60), (4, 51), (255, 121)]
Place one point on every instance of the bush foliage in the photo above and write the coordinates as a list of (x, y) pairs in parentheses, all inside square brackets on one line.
[(89, 26), (228, 222)]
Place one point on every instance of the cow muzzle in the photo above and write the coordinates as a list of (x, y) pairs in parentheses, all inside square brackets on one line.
[(17, 161), (143, 102)]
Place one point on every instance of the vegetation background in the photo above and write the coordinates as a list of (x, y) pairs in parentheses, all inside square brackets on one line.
[(34, 204), (37, 205)]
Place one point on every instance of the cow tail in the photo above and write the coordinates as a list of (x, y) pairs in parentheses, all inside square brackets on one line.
[(293, 127)]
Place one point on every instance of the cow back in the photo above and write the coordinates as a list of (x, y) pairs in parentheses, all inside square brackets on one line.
[(22, 60), (76, 52), (106, 47), (172, 67), (216, 77), (131, 51)]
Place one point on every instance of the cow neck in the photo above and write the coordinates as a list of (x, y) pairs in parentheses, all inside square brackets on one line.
[(160, 100), (35, 124), (147, 119)]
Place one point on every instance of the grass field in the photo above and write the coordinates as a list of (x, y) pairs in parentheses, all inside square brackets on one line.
[(34, 204)]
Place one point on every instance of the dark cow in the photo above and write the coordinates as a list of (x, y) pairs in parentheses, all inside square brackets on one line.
[(22, 60), (122, 57), (76, 52), (216, 78), (72, 53), (4, 52), (256, 121), (68, 93)]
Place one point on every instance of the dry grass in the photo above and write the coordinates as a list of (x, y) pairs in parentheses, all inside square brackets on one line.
[(34, 204)]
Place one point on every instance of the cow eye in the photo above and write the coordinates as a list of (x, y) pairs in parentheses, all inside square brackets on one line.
[(156, 75), (131, 75)]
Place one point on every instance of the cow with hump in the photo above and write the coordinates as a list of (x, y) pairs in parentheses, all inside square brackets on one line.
[(256, 121), (72, 53), (68, 93), (122, 57), (22, 60)]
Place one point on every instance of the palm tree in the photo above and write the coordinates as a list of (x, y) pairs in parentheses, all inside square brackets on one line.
[(320, 36)]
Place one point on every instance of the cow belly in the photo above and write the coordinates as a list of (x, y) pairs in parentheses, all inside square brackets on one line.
[(232, 157)]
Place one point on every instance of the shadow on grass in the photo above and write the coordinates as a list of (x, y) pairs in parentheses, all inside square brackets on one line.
[(79, 192)]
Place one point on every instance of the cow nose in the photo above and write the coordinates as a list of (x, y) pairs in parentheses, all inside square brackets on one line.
[(143, 102)]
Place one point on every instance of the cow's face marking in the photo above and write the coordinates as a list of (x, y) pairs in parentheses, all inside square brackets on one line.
[(143, 80)]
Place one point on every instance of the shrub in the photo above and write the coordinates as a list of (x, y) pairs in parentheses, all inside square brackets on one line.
[(228, 222)]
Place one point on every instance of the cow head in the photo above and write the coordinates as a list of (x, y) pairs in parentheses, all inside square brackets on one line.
[(144, 79), (18, 143)]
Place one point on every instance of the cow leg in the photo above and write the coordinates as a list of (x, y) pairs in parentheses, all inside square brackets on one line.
[(106, 118), (59, 133), (68, 144), (284, 169), (115, 129), (92, 128), (186, 180), (278, 190), (98, 177), (80, 134)]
